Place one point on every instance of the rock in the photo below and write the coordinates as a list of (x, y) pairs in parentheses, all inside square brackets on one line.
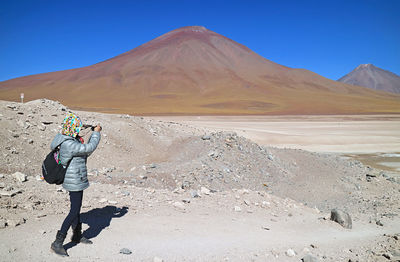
[(205, 190), (206, 137), (271, 157), (103, 200), (290, 252), (1, 175), (379, 223), (112, 202), (309, 258), (42, 127), (61, 189), (10, 193), (19, 176), (186, 200), (152, 165), (125, 193), (125, 251), (39, 178), (369, 177), (237, 209), (15, 222), (194, 194), (3, 224), (243, 191), (179, 205), (265, 228), (2, 185), (395, 253), (342, 218), (47, 122), (214, 154)]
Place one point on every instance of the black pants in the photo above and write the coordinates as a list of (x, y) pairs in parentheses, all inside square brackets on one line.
[(73, 217)]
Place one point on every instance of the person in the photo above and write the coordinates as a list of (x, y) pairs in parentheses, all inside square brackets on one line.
[(75, 152)]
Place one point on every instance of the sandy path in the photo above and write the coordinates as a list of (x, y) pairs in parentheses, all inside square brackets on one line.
[(201, 234)]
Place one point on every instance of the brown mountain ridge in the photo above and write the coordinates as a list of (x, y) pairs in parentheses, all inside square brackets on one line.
[(193, 70)]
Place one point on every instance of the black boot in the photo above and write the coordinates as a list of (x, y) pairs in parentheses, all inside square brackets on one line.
[(57, 245), (77, 235)]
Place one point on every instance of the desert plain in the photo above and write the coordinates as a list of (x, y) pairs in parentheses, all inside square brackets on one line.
[(372, 139), (205, 188)]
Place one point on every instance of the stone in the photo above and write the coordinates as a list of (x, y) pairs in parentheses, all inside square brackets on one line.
[(206, 137), (19, 176), (395, 253), (112, 202), (125, 193), (125, 251), (342, 218), (290, 252), (214, 154), (103, 200), (205, 190), (1, 175), (15, 222), (379, 223), (194, 194), (3, 224), (243, 191), (152, 165), (309, 258), (158, 259), (179, 205), (42, 127), (237, 208), (10, 193), (186, 201)]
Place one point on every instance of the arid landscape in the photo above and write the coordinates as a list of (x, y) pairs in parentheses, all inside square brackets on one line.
[(372, 139), (184, 190), (195, 71)]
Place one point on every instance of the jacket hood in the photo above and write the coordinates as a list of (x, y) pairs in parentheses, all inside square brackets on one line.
[(58, 139)]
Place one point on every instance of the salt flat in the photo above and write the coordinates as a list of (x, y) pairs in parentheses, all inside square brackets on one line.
[(342, 134), (368, 138)]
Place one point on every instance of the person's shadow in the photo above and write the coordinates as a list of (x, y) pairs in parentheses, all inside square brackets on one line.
[(98, 219)]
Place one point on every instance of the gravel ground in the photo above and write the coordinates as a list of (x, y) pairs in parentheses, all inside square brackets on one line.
[(169, 191)]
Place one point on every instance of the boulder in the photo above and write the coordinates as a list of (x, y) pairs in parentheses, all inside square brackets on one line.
[(309, 258), (341, 217), (19, 176)]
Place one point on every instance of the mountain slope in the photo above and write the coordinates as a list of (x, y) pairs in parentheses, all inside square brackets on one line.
[(192, 70), (368, 75)]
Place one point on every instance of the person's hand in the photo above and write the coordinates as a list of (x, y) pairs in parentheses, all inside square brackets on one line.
[(97, 128)]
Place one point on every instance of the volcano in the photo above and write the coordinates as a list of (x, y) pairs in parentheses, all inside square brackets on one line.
[(370, 76), (194, 71)]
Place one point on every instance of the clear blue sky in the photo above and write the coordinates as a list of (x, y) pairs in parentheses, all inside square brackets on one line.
[(329, 37)]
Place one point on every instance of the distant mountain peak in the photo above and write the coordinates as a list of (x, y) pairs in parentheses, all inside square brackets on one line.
[(364, 66), (368, 75)]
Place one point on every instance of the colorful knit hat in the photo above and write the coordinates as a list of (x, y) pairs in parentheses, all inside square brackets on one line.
[(72, 125)]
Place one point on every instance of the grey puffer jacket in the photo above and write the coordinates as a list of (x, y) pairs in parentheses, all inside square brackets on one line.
[(76, 175)]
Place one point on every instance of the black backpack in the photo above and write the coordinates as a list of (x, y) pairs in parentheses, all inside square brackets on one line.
[(52, 171)]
